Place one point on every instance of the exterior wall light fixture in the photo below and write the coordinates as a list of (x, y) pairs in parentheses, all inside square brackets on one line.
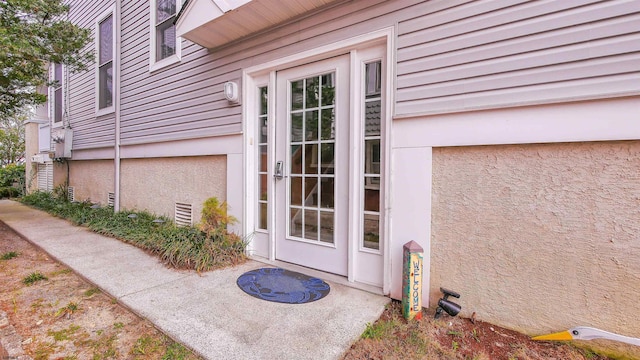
[(231, 91)]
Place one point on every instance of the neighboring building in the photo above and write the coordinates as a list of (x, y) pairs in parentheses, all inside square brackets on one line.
[(502, 136)]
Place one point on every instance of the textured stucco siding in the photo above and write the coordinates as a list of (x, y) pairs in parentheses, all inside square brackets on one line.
[(540, 238), (91, 179), (31, 148), (156, 184)]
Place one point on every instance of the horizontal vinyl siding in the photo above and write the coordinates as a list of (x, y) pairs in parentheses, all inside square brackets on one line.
[(181, 101), (89, 131), (451, 55), (186, 100), (483, 54)]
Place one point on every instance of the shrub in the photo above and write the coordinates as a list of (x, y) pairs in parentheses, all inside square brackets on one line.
[(178, 246), (215, 217), (12, 180)]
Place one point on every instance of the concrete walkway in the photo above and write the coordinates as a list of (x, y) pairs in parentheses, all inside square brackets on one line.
[(206, 312)]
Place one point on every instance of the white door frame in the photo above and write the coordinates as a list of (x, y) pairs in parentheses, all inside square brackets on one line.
[(257, 75)]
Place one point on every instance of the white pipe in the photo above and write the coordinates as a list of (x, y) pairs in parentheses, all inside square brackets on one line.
[(116, 88)]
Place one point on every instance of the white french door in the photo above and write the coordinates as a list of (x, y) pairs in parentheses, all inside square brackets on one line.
[(311, 165), (316, 136)]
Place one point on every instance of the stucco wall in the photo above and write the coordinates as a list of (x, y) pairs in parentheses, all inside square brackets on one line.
[(540, 238), (91, 179), (156, 184), (31, 148)]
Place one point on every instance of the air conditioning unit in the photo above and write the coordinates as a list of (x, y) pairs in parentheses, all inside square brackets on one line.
[(41, 158)]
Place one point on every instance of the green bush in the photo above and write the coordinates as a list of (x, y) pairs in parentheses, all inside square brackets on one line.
[(12, 180), (178, 246)]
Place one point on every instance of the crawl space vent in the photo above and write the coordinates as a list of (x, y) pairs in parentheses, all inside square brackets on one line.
[(70, 194), (111, 199), (184, 214)]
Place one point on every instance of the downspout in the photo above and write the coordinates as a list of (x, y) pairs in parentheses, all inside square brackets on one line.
[(116, 88)]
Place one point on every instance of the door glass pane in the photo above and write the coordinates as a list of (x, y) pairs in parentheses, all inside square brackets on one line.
[(312, 92), (371, 231), (295, 223), (264, 129), (372, 156), (263, 187), (310, 224), (263, 158), (311, 125), (262, 222), (371, 196), (311, 159), (328, 89), (327, 159), (296, 127), (327, 124), (264, 100), (311, 192), (372, 118), (327, 192), (373, 79), (296, 191), (326, 226), (296, 159), (297, 91)]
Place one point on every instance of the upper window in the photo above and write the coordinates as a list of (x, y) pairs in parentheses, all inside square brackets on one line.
[(165, 46), (105, 40), (57, 94)]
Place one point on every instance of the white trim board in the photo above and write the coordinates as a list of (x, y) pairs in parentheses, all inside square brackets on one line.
[(104, 153), (323, 52), (595, 120), (218, 145)]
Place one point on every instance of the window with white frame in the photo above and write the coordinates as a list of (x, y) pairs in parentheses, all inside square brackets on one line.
[(165, 46), (57, 103), (105, 43)]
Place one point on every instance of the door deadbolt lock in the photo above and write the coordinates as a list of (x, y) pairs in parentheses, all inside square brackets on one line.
[(278, 172)]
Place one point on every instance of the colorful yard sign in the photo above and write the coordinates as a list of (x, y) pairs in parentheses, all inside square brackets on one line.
[(412, 263)]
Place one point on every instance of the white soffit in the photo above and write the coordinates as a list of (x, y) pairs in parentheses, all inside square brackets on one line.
[(212, 23)]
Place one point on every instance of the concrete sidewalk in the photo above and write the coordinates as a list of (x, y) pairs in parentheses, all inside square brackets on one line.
[(206, 312)]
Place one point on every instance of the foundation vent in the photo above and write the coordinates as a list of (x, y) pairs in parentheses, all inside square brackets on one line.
[(71, 193), (184, 214), (111, 199)]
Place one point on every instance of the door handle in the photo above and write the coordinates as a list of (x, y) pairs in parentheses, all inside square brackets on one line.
[(278, 172)]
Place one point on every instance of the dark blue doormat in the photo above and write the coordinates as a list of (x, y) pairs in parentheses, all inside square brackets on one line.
[(283, 286)]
